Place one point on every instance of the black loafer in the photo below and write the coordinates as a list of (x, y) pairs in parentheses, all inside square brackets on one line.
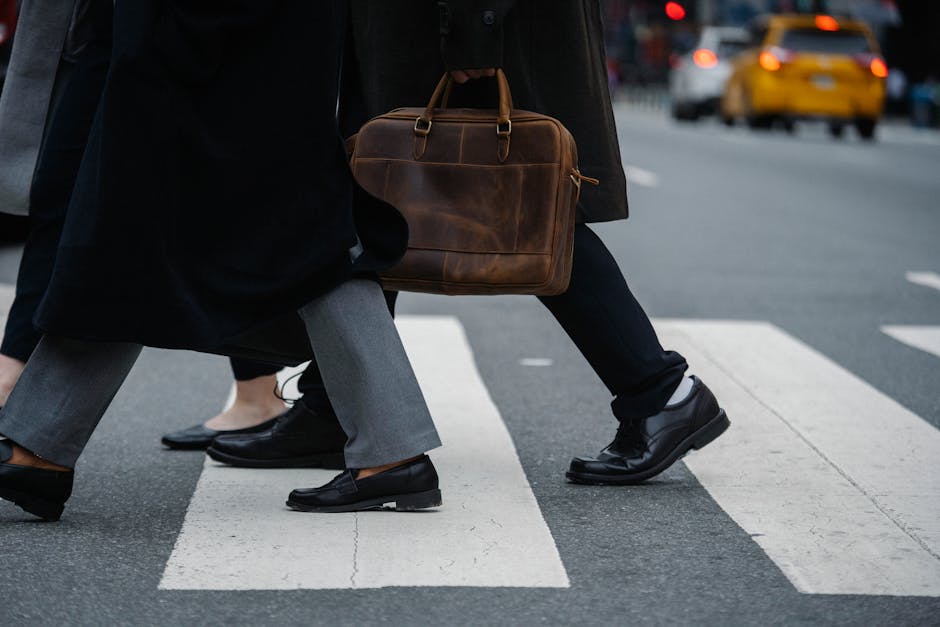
[(40, 492), (304, 436), (644, 448), (199, 437), (410, 487)]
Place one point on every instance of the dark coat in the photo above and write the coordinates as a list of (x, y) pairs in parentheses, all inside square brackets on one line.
[(214, 198), (551, 50)]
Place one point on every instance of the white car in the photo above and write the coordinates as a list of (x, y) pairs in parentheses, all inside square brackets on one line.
[(698, 78)]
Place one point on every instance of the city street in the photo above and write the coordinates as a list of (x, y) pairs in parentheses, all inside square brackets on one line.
[(800, 276)]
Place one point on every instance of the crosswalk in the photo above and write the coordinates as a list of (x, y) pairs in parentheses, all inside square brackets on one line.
[(837, 483)]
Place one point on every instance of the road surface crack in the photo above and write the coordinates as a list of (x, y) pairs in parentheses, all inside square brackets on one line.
[(355, 560)]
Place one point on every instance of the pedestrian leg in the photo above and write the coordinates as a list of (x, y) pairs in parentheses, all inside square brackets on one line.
[(373, 389), (63, 393), (50, 415), (612, 331), (368, 377)]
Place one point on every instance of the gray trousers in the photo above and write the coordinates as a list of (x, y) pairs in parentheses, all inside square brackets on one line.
[(68, 384)]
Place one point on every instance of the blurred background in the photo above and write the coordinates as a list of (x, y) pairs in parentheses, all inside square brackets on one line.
[(646, 40), (708, 58)]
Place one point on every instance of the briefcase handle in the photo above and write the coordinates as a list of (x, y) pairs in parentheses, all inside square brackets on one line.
[(425, 121)]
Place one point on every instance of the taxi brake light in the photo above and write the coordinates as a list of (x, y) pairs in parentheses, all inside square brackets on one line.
[(827, 22), (705, 58), (769, 61), (873, 63)]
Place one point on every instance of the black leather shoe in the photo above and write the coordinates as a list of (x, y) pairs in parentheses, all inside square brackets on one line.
[(410, 487), (200, 436), (40, 492), (301, 437), (644, 448)]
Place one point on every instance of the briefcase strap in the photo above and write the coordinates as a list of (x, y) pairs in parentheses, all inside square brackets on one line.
[(425, 121)]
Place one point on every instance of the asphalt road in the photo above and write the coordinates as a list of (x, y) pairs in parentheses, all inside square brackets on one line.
[(809, 234)]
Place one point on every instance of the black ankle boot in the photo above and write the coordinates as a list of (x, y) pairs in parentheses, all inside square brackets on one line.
[(307, 435), (40, 492)]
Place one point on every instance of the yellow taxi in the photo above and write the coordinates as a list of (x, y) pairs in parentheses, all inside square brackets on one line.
[(808, 66)]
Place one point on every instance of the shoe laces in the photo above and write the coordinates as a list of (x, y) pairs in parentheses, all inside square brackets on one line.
[(628, 438)]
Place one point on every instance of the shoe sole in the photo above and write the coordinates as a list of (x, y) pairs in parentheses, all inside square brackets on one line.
[(186, 446), (699, 439), (403, 503), (330, 461), (43, 508)]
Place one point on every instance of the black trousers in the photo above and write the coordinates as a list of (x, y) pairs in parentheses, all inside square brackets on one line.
[(605, 321), (62, 149), (600, 314)]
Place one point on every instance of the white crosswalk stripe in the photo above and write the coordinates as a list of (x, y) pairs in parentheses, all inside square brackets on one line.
[(927, 279), (925, 338), (641, 176), (490, 532), (838, 483)]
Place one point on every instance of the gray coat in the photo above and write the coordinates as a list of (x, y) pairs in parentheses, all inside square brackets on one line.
[(552, 52), (27, 94)]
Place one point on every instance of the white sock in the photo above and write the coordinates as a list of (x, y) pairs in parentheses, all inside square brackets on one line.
[(682, 392)]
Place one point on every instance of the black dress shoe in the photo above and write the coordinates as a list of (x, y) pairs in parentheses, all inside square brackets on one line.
[(40, 492), (411, 486), (200, 436), (301, 437), (644, 448)]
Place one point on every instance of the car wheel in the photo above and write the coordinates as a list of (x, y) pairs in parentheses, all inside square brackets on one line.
[(760, 122), (836, 130), (866, 128), (684, 112), (727, 120), (789, 126)]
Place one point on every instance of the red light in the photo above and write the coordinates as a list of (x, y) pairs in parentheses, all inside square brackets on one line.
[(705, 58), (769, 61), (675, 11), (879, 68), (826, 22)]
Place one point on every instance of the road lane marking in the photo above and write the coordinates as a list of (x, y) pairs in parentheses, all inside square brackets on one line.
[(927, 279), (641, 177), (838, 483), (238, 535), (925, 338), (536, 362)]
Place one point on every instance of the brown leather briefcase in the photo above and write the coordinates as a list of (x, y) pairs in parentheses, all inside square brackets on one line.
[(489, 195)]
